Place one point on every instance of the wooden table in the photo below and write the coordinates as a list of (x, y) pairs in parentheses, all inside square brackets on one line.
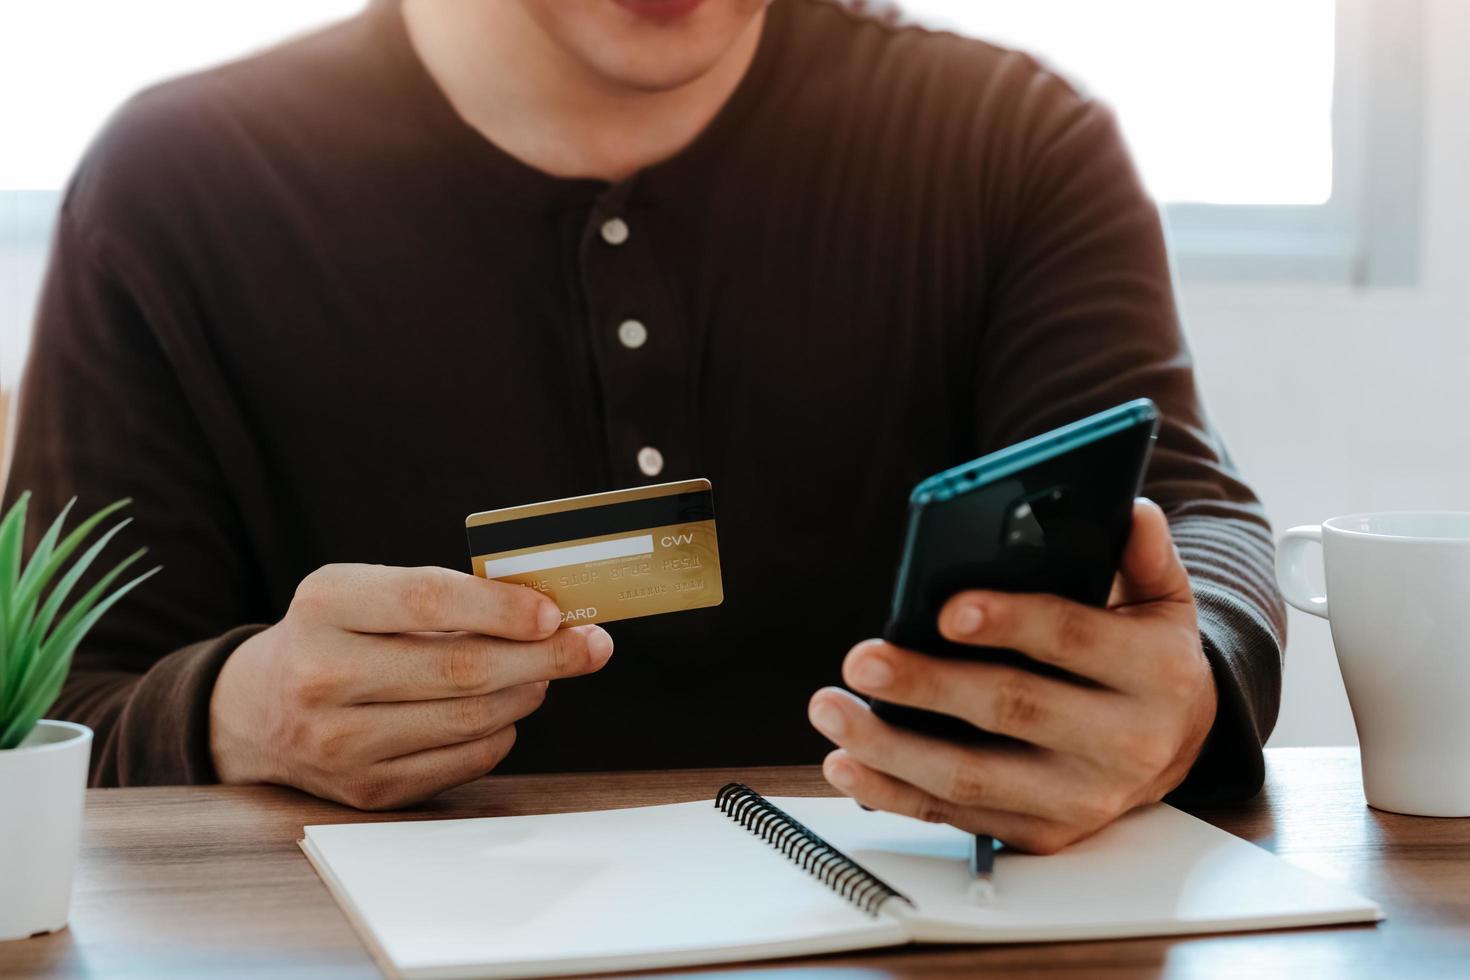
[(196, 882)]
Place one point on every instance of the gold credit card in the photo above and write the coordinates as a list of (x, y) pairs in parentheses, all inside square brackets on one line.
[(607, 556)]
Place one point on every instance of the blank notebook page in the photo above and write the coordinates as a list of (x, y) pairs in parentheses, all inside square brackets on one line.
[(1155, 871), (649, 886)]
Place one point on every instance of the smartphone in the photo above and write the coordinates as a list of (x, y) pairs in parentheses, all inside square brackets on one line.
[(1050, 514)]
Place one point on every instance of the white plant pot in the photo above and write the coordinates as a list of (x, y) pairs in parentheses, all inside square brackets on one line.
[(43, 784)]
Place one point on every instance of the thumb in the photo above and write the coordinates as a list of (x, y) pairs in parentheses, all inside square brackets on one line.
[(1150, 570)]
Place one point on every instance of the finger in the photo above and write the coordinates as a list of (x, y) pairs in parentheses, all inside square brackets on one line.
[(988, 778), (998, 698), (392, 729), (431, 666), (413, 778), (880, 791), (1151, 569), (387, 599), (1092, 643)]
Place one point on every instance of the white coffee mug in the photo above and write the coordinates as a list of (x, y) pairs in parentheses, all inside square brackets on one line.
[(1398, 600)]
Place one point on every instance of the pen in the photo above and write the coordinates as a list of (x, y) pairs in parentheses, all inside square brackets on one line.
[(982, 869)]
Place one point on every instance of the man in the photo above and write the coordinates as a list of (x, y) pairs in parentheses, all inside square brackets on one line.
[(310, 309)]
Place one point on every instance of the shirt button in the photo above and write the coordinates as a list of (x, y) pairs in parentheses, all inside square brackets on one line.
[(632, 334), (615, 231), (650, 461)]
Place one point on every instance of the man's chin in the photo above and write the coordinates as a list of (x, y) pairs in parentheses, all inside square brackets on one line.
[(646, 53), (652, 77)]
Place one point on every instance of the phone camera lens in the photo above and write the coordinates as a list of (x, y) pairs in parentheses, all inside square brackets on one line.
[(1023, 529)]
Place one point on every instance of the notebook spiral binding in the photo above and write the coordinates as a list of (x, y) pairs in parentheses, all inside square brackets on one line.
[(811, 853)]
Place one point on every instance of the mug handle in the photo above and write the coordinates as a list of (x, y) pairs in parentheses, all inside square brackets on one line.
[(1291, 572)]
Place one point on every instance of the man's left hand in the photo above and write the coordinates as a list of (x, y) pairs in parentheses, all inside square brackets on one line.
[(1089, 751)]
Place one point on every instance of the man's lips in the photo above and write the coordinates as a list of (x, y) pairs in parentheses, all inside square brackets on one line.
[(659, 9)]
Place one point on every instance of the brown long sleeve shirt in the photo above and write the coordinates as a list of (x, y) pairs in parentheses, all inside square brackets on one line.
[(302, 313)]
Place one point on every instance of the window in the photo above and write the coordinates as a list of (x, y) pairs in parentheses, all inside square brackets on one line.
[(1281, 137), (1202, 128), (65, 65)]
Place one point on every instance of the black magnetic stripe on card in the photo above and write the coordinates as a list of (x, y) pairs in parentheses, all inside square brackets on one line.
[(591, 522)]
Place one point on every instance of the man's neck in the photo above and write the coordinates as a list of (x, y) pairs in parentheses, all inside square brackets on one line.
[(508, 80)]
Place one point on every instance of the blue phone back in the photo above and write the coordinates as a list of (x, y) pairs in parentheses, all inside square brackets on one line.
[(1051, 514)]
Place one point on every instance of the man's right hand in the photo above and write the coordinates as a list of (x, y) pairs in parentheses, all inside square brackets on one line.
[(384, 686)]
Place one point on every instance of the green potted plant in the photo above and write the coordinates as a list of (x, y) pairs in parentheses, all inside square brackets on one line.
[(43, 764)]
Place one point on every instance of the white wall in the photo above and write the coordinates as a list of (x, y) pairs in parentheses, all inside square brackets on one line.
[(1336, 400)]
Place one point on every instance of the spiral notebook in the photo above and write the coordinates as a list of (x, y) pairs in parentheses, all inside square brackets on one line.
[(742, 877)]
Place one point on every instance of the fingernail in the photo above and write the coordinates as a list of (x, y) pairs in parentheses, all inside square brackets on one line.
[(549, 618), (967, 619), (599, 644), (828, 719), (840, 774), (872, 672)]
